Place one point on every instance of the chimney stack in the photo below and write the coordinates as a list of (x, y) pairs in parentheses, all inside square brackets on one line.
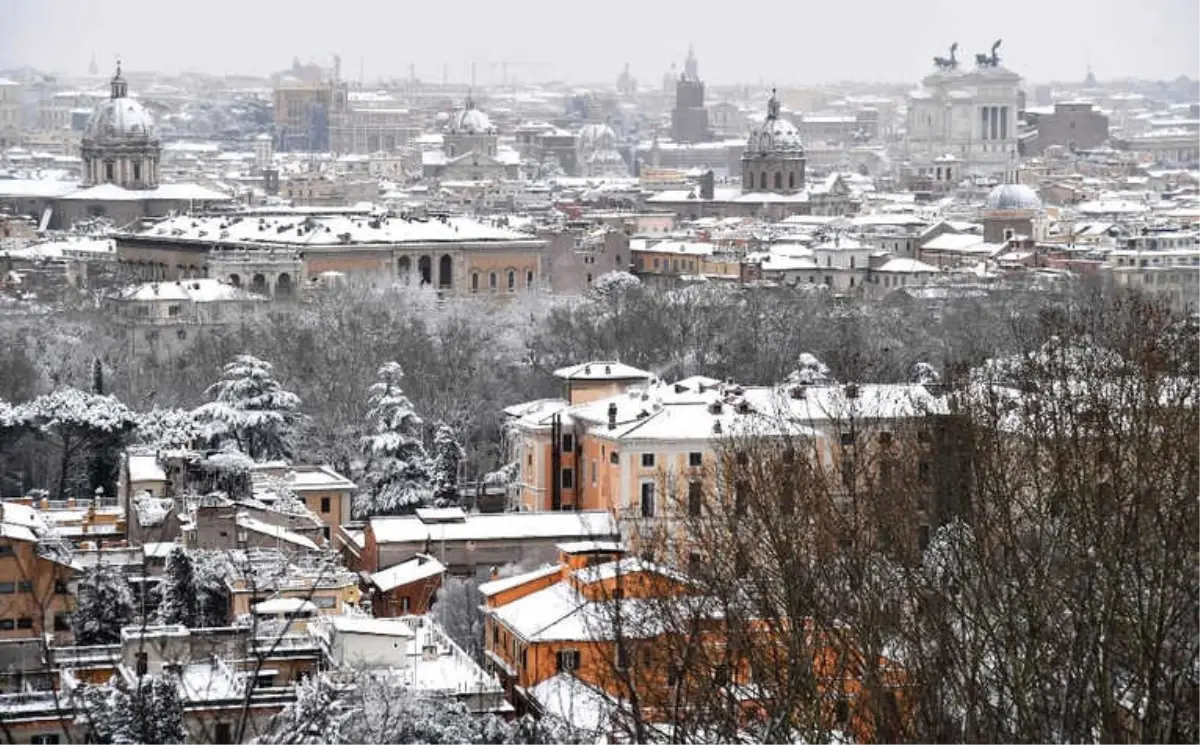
[(612, 416)]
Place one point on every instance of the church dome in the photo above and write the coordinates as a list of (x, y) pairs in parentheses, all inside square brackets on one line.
[(471, 120), (1013, 197), (594, 137), (775, 134), (120, 119)]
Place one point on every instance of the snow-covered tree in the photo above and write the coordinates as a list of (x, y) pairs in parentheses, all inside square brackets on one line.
[(212, 593), (103, 605), (447, 455), (457, 611), (79, 423), (168, 428), (810, 371), (925, 374), (100, 711), (179, 595), (150, 712), (104, 457), (396, 477), (252, 409), (614, 284)]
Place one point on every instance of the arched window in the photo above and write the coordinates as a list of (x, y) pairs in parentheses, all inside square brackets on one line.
[(445, 272), (529, 280), (425, 269), (474, 281), (778, 180), (512, 280), (589, 279), (792, 180), (762, 180), (403, 268), (492, 281)]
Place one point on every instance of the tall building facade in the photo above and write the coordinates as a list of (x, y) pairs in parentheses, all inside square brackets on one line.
[(689, 120), (969, 113), (307, 112)]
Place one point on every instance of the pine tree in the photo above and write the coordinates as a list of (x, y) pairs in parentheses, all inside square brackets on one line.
[(447, 455), (252, 409), (103, 606), (396, 478), (80, 424), (178, 590), (167, 709), (104, 455)]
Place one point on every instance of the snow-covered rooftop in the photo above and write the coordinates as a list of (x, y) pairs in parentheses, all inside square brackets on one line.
[(328, 230), (496, 527), (406, 572), (602, 370), (143, 468), (206, 290), (488, 589), (275, 531)]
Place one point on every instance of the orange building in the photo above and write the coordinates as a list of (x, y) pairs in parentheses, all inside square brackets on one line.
[(408, 588), (36, 574), (644, 449), (591, 623)]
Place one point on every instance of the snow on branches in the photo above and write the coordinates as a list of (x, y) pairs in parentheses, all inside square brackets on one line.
[(396, 477), (251, 409), (104, 605)]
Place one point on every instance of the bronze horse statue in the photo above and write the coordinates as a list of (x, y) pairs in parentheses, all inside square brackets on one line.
[(947, 63), (992, 60)]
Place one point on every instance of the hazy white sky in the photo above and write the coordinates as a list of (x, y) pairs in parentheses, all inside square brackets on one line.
[(774, 41)]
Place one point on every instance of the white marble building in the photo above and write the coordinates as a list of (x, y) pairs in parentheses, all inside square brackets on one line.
[(969, 112)]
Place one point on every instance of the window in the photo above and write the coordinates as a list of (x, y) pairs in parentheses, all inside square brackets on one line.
[(143, 664), (512, 280), (7, 624), (6, 550), (25, 623), (739, 498), (647, 460), (695, 498), (137, 171), (622, 657), (568, 478), (325, 505), (647, 499), (615, 458), (847, 439), (778, 180), (62, 622), (568, 443), (529, 280), (694, 563), (593, 473), (495, 636), (109, 171), (24, 586), (924, 471), (847, 472), (474, 281), (567, 659), (405, 601), (223, 733), (323, 602), (589, 278), (44, 740), (841, 711), (492, 282), (60, 587), (923, 537), (326, 533), (7, 588), (885, 438), (695, 460)]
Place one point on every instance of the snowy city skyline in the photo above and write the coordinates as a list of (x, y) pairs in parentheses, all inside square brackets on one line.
[(792, 44)]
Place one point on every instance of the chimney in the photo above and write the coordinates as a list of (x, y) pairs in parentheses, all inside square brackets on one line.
[(612, 416)]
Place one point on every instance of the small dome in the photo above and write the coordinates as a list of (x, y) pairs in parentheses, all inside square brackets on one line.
[(471, 121), (120, 119), (774, 135), (593, 137), (1013, 197)]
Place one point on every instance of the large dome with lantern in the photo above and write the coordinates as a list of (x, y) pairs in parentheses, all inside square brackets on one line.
[(119, 144)]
